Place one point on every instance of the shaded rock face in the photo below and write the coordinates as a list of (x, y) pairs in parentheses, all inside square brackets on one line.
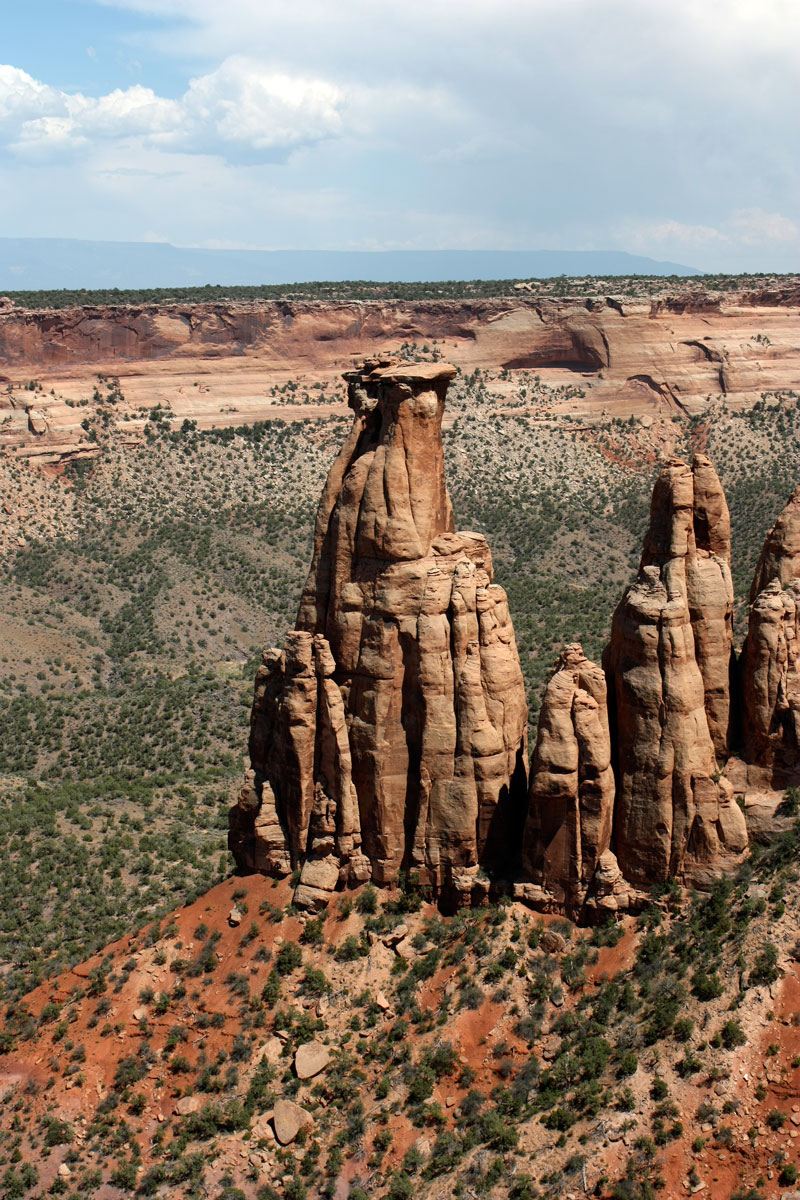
[(770, 661), (571, 796), (668, 666), (389, 734), (770, 684), (780, 555)]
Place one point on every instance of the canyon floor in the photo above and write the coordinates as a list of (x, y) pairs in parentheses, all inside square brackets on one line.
[(156, 516)]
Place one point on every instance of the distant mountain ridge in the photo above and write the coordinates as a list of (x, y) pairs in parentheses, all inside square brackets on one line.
[(42, 263)]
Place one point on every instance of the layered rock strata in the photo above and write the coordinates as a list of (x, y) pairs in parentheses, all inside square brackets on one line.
[(389, 734), (668, 666)]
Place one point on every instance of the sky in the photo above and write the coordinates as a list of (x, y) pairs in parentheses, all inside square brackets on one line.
[(661, 127)]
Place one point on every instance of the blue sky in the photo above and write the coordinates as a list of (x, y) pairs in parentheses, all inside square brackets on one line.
[(663, 127)]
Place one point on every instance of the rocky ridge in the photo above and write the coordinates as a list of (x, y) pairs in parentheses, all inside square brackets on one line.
[(388, 735)]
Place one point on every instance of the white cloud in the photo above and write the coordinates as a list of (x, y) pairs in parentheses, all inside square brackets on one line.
[(753, 226), (750, 226), (239, 110)]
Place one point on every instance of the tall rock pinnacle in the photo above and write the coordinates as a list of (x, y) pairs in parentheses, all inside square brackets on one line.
[(571, 802), (770, 661), (668, 666), (389, 734)]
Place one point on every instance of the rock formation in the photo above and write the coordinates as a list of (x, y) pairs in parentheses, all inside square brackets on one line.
[(389, 734), (770, 670), (770, 661), (780, 556), (668, 666), (571, 797)]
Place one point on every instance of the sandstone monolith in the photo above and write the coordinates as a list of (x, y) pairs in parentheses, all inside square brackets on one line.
[(780, 554), (674, 815), (389, 733), (770, 686), (571, 795)]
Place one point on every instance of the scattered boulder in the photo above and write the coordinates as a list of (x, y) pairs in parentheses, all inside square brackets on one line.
[(310, 1059), (37, 421), (288, 1119), (271, 1051), (552, 942), (318, 881), (235, 917), (187, 1105), (395, 935)]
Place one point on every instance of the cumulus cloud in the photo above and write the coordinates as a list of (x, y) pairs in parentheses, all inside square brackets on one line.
[(240, 110), (748, 226)]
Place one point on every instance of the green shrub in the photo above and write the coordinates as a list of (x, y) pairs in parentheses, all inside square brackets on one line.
[(288, 958)]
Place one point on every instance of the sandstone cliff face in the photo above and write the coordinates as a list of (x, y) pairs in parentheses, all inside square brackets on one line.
[(571, 797), (671, 690), (391, 729)]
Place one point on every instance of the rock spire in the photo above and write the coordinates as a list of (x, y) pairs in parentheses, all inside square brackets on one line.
[(668, 666), (389, 733)]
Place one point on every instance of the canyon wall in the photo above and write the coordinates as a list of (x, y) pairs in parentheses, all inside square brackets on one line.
[(673, 350)]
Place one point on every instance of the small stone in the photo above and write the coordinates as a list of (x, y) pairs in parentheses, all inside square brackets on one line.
[(423, 1147), (64, 1171), (382, 1002), (552, 942), (396, 935)]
